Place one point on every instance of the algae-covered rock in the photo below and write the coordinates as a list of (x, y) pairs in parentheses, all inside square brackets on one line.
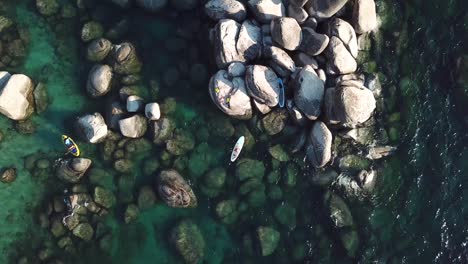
[(353, 163), (249, 168), (57, 228), (123, 165), (161, 130), (188, 241), (226, 211), (84, 231), (275, 121), (350, 241), (146, 197), (257, 197), (41, 98), (104, 197), (72, 170), (285, 214), (47, 7), (275, 193), (151, 165), (268, 238), (134, 126), (324, 178), (100, 177), (125, 185), (215, 178), (201, 159), (8, 175), (91, 30), (290, 175), (174, 190), (125, 59), (98, 49), (338, 211), (131, 213), (182, 142), (278, 153), (5, 23)]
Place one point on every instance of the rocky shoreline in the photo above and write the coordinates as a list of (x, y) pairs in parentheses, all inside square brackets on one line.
[(329, 133)]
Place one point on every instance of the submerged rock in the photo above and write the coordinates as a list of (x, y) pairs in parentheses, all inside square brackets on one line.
[(84, 231), (152, 5), (41, 98), (188, 241), (161, 130), (174, 190), (182, 142), (91, 30), (72, 170), (16, 96), (146, 198), (8, 175), (104, 197), (268, 239), (249, 168), (47, 7), (230, 95), (92, 128), (131, 213), (222, 9), (319, 150), (99, 80)]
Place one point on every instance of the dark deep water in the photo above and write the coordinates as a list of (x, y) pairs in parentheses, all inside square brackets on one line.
[(419, 212)]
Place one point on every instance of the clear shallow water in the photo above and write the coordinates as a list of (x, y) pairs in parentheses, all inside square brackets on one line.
[(419, 212)]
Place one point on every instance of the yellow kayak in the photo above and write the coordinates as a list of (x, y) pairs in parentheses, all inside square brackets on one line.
[(72, 147)]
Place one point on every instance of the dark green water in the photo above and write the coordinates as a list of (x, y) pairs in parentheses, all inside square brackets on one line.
[(420, 209)]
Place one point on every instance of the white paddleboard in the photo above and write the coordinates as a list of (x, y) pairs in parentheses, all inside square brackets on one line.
[(237, 148)]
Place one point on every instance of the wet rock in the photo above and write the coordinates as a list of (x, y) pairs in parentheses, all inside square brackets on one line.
[(313, 43), (16, 96), (298, 13), (146, 198), (277, 152), (134, 104), (353, 163), (340, 60), (174, 190), (249, 40), (188, 241), (99, 80), (123, 165), (345, 32), (131, 213), (309, 92), (182, 142), (285, 214), (225, 40), (98, 49), (230, 96), (279, 60), (91, 30), (114, 112), (268, 239), (47, 7), (152, 5), (125, 59), (72, 170), (57, 228), (41, 98), (152, 111), (134, 126), (236, 69), (8, 175), (324, 178), (84, 231), (286, 32), (274, 122), (267, 10), (380, 152), (223, 9), (364, 16), (92, 128), (353, 105), (65, 242), (338, 210), (249, 168), (262, 84), (104, 197), (319, 150), (161, 130), (322, 9)]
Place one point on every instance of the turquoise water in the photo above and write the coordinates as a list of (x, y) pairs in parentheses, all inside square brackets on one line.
[(418, 213)]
